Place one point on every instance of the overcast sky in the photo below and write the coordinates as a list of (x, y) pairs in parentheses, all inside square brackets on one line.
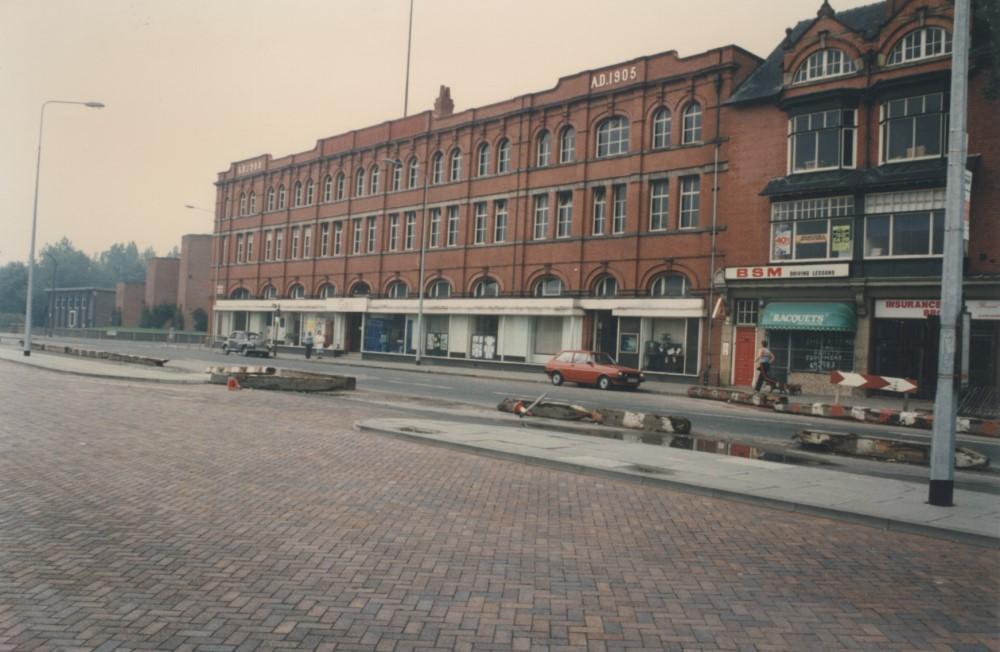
[(191, 85)]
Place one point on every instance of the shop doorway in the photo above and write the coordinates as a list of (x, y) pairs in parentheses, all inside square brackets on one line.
[(744, 355), (908, 348), (606, 333), (352, 332)]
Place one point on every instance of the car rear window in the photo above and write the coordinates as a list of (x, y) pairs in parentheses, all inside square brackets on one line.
[(565, 356), (581, 358)]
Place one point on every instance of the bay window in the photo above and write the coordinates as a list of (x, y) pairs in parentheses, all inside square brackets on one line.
[(823, 140), (904, 223), (913, 128), (812, 229)]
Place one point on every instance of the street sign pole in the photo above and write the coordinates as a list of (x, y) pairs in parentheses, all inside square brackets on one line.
[(942, 476)]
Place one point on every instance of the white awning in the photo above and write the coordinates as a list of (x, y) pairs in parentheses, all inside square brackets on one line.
[(678, 308), (480, 306)]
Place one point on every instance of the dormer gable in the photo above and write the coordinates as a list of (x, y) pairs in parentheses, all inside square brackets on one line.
[(843, 47)]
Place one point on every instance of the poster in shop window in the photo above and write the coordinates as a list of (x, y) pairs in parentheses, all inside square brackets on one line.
[(841, 238), (810, 238), (782, 240)]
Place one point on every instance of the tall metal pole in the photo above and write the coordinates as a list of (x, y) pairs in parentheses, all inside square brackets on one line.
[(420, 281), (34, 219), (409, 40), (942, 478)]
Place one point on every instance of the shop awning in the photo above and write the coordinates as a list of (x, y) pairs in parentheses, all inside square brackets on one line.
[(809, 317)]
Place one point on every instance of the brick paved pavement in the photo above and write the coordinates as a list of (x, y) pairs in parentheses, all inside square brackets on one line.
[(159, 517)]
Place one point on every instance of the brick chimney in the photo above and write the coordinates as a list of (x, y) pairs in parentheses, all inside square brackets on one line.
[(443, 105)]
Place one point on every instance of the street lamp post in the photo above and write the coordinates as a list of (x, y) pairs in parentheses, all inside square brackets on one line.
[(423, 254), (34, 218)]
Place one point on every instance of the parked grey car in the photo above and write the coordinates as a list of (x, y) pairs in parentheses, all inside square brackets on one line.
[(247, 343)]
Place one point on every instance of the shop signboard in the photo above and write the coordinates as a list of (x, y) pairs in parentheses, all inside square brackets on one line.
[(787, 271), (810, 238), (907, 308), (983, 308)]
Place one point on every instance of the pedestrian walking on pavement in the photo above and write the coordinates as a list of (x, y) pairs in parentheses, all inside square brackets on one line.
[(764, 360), (308, 342)]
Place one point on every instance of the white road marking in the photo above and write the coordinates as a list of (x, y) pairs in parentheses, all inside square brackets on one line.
[(406, 382)]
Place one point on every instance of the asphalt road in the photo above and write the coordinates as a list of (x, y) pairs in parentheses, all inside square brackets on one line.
[(710, 419)]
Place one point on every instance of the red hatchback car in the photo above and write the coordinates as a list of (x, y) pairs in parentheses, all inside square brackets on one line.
[(591, 368)]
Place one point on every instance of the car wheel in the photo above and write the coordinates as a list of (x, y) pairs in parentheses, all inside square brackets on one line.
[(556, 378), (604, 382)]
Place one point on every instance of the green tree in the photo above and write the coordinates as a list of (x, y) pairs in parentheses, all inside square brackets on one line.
[(121, 262)]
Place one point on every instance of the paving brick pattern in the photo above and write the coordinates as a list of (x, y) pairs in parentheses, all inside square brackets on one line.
[(135, 516)]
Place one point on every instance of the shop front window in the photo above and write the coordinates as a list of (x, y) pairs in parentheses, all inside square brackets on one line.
[(810, 351), (672, 346), (437, 335), (484, 337), (548, 335), (385, 333)]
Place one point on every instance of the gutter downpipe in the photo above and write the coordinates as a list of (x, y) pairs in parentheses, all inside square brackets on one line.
[(715, 214)]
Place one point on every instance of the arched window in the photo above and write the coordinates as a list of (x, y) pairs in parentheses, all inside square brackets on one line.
[(240, 293), (373, 185), (692, 124), (252, 201), (270, 199), (669, 285), (483, 160), (412, 174), (397, 175), (486, 287), (503, 157), (543, 154), (360, 289), (825, 63), (547, 286), (661, 128), (310, 192), (612, 137), (456, 165), (439, 289), (606, 286), (243, 203), (297, 194), (567, 145), (281, 197), (296, 291), (328, 188), (340, 186), (269, 292), (397, 290), (922, 43), (359, 183), (437, 168), (327, 290)]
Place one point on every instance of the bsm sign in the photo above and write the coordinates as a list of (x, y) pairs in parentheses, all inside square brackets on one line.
[(786, 272)]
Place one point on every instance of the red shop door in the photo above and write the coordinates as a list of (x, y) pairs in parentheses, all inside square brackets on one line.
[(743, 359)]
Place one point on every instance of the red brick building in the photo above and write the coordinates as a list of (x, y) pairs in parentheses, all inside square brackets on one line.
[(129, 299), (834, 202), (162, 281), (575, 217), (194, 276), (598, 214)]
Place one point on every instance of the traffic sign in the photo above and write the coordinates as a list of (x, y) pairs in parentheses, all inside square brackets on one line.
[(869, 381)]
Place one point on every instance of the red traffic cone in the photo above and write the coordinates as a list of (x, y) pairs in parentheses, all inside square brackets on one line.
[(232, 384)]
